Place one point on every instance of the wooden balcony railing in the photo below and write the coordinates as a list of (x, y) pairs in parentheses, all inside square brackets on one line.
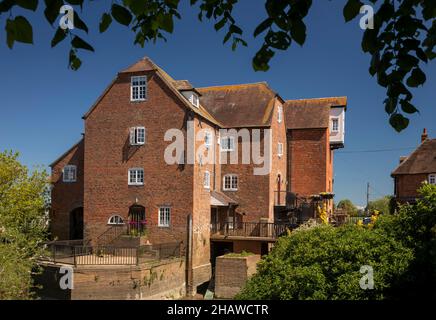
[(249, 230)]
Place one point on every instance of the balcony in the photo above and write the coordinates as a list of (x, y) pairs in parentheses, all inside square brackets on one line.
[(261, 231)]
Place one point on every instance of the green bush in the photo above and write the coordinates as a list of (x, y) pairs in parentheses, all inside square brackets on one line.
[(415, 227), (324, 263)]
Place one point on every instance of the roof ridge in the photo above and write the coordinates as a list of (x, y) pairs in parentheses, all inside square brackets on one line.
[(321, 98), (235, 85)]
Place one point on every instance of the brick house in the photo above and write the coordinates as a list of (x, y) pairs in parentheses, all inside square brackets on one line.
[(118, 174), (413, 170)]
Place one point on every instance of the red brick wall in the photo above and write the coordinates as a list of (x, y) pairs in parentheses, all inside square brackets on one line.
[(66, 196), (201, 210), (407, 185), (278, 164), (308, 168), (253, 190), (108, 157)]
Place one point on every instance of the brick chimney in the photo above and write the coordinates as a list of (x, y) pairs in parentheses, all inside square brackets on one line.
[(424, 135)]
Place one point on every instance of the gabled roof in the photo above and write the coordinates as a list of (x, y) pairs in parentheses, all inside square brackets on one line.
[(65, 153), (422, 160), (242, 105), (311, 113), (219, 199), (146, 65)]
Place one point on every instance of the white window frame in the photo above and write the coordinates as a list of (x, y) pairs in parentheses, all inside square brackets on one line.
[(280, 149), (134, 136), (208, 139), (66, 173), (335, 120), (280, 114), (195, 99), (136, 181), (227, 147), (138, 87), (233, 184), (164, 221), (432, 178), (119, 220), (206, 180)]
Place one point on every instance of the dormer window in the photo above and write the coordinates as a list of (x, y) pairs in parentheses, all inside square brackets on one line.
[(194, 100), (69, 173), (138, 88), (137, 136), (192, 97)]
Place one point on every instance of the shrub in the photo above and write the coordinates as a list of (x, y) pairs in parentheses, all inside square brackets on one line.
[(415, 227), (324, 262)]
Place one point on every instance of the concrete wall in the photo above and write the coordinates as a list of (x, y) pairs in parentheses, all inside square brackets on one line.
[(163, 280), (231, 274)]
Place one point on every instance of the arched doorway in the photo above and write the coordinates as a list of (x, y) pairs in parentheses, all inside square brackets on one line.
[(136, 224), (76, 224)]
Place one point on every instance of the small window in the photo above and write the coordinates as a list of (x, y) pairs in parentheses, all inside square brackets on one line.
[(208, 139), (138, 88), (194, 100), (115, 220), (230, 182), (280, 149), (335, 125), (280, 114), (432, 178), (137, 136), (164, 216), (70, 173), (227, 143), (206, 180), (136, 177)]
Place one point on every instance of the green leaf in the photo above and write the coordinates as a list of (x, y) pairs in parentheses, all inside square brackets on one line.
[(262, 58), (79, 43), (298, 31), (398, 122), (391, 104), (369, 41), (74, 61), (407, 107), (121, 14), (220, 24), (51, 11), (417, 78), (6, 5), (166, 22), (79, 23), (10, 33), (28, 4), (23, 30), (105, 22), (352, 9), (263, 26), (59, 36)]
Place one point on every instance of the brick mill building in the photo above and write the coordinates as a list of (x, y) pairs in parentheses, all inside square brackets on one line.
[(413, 170), (116, 175)]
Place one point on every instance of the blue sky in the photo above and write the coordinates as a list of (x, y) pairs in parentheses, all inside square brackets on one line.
[(42, 101)]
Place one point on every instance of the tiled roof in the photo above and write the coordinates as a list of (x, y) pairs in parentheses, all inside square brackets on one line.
[(311, 113), (422, 160), (243, 105)]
